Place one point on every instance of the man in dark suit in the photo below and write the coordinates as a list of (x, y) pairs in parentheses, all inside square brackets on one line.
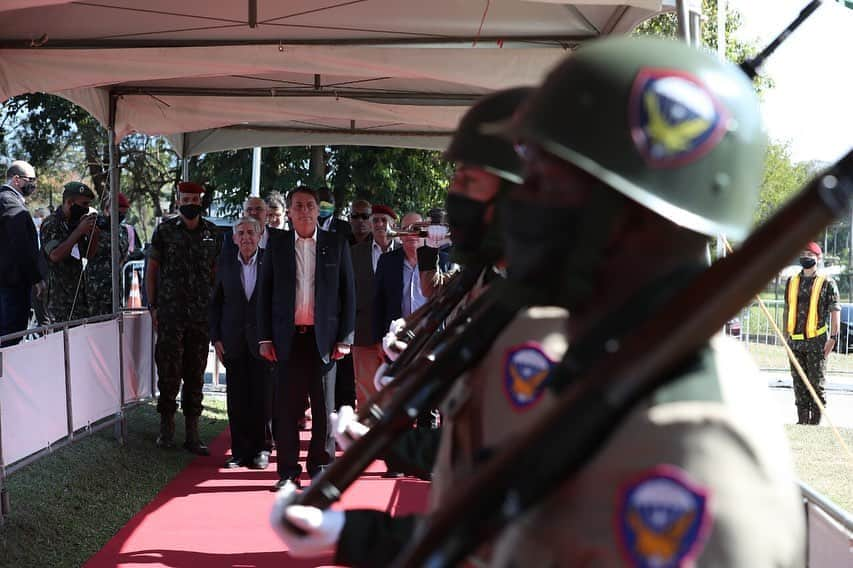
[(398, 293), (327, 219), (306, 315), (20, 268), (234, 333), (365, 255)]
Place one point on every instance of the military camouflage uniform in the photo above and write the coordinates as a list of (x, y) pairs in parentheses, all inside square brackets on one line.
[(809, 352), (63, 276), (187, 260), (99, 276)]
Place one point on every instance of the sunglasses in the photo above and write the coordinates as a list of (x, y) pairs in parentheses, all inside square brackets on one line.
[(363, 216)]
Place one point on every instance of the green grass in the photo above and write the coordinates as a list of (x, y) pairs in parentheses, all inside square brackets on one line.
[(67, 505), (821, 463)]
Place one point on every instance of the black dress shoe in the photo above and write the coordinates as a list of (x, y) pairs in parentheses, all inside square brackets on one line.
[(260, 461), (280, 483), (233, 463), (393, 474)]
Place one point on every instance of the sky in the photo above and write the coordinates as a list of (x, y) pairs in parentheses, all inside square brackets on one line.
[(811, 105)]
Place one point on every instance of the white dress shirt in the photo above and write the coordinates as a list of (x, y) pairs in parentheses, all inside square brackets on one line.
[(248, 273), (306, 262), (377, 252), (265, 237)]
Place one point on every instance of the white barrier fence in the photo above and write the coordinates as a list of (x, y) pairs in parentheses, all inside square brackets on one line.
[(75, 379), (830, 532)]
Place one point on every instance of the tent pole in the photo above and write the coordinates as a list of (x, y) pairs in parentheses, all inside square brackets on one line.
[(255, 190), (185, 159), (683, 16), (113, 192)]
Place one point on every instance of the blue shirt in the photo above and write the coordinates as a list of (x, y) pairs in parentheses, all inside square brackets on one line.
[(413, 298)]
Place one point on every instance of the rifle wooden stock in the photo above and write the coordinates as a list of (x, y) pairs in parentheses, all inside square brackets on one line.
[(536, 462), (421, 337)]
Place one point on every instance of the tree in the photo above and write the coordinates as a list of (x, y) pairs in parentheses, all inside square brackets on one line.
[(782, 178)]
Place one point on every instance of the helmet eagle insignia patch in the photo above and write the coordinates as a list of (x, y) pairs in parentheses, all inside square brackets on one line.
[(526, 369), (674, 118), (662, 519)]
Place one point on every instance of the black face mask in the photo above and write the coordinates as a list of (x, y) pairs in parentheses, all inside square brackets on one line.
[(465, 216), (121, 217), (27, 189), (807, 262), (76, 213), (190, 211), (539, 239)]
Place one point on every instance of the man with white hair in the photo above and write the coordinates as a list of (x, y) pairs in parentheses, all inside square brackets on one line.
[(19, 253)]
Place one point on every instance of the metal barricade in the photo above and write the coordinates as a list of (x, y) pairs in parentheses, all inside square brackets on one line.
[(830, 531), (116, 419)]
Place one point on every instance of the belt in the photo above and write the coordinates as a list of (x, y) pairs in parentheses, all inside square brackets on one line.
[(303, 329)]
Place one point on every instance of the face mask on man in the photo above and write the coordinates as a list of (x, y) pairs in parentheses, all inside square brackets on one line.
[(326, 209), (190, 210), (122, 217), (76, 213), (807, 262), (27, 189)]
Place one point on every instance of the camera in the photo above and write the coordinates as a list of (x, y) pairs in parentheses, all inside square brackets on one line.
[(102, 222)]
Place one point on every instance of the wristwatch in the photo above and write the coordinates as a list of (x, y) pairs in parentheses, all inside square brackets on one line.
[(834, 336)]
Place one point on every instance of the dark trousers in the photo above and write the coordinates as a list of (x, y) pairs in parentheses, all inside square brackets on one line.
[(181, 353), (303, 373), (247, 389), (14, 312), (344, 383), (814, 366)]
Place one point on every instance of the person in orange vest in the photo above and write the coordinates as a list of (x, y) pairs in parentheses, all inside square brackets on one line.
[(812, 320)]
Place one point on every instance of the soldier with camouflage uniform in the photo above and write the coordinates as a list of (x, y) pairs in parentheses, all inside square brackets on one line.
[(67, 236), (99, 271), (809, 298), (179, 280)]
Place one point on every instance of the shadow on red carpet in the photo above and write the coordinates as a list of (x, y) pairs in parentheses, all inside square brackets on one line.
[(210, 517)]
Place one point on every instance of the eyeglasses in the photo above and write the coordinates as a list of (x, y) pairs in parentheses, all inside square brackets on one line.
[(30, 179), (362, 216)]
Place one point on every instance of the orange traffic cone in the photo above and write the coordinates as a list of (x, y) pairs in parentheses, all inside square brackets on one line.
[(135, 299)]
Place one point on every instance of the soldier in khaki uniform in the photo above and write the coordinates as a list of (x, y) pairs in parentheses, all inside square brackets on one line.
[(648, 147), (67, 237), (179, 280), (812, 320), (509, 381)]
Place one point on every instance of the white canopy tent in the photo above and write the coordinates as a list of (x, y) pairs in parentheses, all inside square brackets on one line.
[(220, 74)]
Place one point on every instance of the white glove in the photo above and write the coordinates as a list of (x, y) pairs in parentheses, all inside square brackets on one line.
[(392, 347), (322, 528), (397, 326), (346, 428), (380, 379), (437, 236)]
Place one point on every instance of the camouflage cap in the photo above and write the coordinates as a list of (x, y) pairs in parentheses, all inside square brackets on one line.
[(75, 188)]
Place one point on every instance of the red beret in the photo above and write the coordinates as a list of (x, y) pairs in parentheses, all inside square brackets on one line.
[(384, 210), (123, 201), (190, 187), (815, 248)]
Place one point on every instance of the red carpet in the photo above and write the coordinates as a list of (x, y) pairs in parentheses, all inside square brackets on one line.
[(209, 517)]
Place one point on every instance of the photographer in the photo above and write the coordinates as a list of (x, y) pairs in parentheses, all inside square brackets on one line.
[(99, 274), (67, 236)]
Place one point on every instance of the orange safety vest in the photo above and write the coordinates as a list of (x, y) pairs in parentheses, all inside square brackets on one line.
[(812, 317)]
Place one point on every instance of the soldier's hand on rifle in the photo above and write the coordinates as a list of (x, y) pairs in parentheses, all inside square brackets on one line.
[(391, 346), (380, 379), (322, 528), (340, 351), (345, 427), (437, 236)]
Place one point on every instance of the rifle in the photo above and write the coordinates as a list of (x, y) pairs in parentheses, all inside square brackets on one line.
[(594, 403), (422, 386), (420, 335)]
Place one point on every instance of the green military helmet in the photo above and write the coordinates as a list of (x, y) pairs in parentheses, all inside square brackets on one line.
[(669, 126), (488, 151)]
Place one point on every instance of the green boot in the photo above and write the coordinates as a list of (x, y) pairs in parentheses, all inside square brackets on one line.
[(193, 443), (166, 439)]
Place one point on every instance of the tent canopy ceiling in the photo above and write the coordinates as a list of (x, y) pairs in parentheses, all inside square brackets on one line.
[(218, 74)]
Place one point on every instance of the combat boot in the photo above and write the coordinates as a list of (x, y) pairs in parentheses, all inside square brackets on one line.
[(193, 443), (166, 439), (815, 415), (803, 415)]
